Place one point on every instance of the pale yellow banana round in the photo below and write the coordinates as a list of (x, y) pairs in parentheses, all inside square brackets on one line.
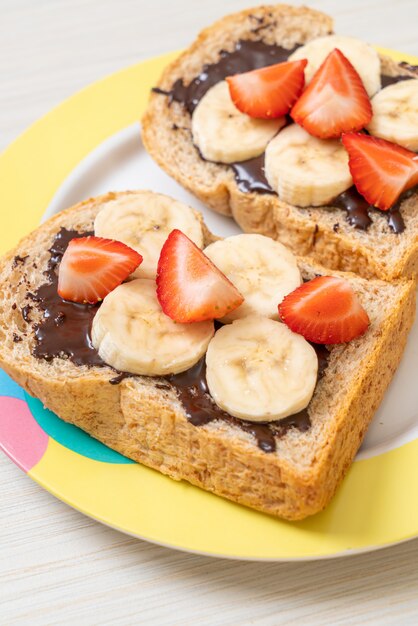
[(306, 171), (143, 220), (132, 334), (361, 55), (259, 370), (395, 114), (224, 134), (263, 270)]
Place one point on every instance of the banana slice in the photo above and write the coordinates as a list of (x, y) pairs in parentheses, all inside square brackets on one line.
[(395, 114), (143, 220), (362, 56), (224, 134), (306, 171), (132, 334), (258, 370), (262, 269)]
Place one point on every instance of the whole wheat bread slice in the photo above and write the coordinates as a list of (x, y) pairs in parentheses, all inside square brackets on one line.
[(148, 423), (321, 233)]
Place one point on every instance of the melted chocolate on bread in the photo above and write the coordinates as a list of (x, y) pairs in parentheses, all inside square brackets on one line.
[(65, 329), (65, 332), (247, 55)]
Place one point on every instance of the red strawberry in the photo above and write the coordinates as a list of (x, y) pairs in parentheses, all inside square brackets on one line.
[(270, 91), (335, 101), (324, 310), (381, 170), (92, 267), (190, 288)]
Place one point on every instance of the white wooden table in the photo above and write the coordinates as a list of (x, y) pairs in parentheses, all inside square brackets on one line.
[(59, 567)]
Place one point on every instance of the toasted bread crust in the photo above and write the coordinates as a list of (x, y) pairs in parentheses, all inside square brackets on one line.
[(149, 424), (320, 233)]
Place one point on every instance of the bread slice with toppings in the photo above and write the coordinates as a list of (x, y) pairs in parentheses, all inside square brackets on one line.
[(371, 243), (287, 471)]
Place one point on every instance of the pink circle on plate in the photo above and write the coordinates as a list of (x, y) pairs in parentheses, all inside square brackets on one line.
[(21, 438)]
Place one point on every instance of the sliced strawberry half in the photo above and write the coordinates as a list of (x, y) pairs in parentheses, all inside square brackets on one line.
[(92, 267), (324, 310), (268, 92), (190, 288), (381, 170), (335, 101)]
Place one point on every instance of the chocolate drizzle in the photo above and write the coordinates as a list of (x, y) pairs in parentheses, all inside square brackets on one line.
[(394, 216), (248, 55), (356, 206), (201, 409), (359, 210), (118, 379), (391, 80), (65, 332), (395, 219), (250, 176)]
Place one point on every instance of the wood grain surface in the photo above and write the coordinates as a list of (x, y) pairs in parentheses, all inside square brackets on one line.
[(59, 567)]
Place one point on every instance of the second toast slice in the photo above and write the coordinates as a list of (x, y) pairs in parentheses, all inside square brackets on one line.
[(326, 234)]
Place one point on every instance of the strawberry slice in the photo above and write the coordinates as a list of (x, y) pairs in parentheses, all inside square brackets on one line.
[(190, 288), (335, 101), (381, 170), (92, 267), (268, 92), (324, 310)]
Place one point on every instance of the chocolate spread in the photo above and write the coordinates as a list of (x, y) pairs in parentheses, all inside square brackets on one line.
[(391, 80), (200, 408), (359, 210), (250, 175), (248, 55), (65, 331)]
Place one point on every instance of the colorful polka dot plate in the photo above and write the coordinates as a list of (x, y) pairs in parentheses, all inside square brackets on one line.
[(91, 144)]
